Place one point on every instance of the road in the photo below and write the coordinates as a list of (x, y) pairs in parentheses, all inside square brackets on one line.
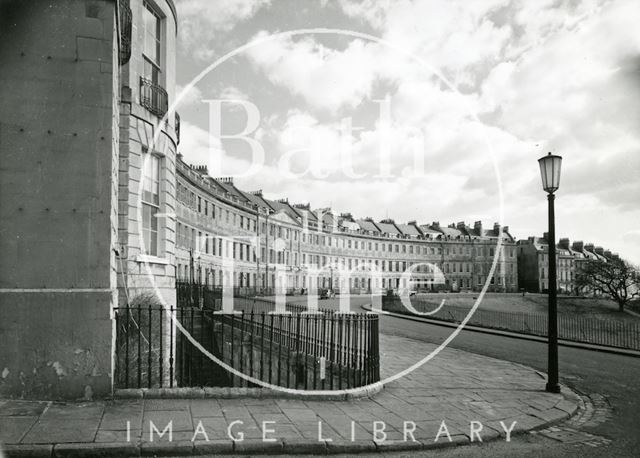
[(592, 373)]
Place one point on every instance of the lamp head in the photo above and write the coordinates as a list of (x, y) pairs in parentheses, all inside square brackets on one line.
[(550, 172)]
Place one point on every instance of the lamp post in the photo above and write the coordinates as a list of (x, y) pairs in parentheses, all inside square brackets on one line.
[(258, 280), (550, 173)]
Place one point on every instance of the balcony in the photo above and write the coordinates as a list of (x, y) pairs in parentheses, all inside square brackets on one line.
[(125, 31), (153, 97), (177, 128)]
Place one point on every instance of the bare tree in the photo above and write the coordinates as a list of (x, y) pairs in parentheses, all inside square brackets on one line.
[(616, 278)]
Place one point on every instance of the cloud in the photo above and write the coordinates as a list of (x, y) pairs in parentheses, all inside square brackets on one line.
[(188, 97), (632, 237), (541, 76), (325, 78), (204, 22)]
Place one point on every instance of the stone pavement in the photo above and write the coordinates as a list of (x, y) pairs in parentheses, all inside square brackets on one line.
[(433, 406)]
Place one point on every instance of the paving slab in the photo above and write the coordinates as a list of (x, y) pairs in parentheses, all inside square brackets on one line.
[(455, 388)]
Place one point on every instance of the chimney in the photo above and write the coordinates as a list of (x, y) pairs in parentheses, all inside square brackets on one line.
[(545, 236), (578, 245), (496, 228), (201, 169), (228, 180), (257, 193), (589, 247), (302, 206), (460, 226), (599, 250), (505, 229), (477, 226), (608, 254), (452, 225), (615, 256), (412, 223), (436, 225), (283, 201), (564, 243)]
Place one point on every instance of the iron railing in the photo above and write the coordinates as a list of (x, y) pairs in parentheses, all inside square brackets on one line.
[(153, 97), (319, 351), (570, 327), (311, 352), (177, 127), (124, 11)]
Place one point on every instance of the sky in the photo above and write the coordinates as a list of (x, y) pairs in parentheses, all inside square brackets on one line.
[(423, 110)]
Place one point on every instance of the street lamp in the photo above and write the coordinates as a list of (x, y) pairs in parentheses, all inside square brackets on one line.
[(550, 172)]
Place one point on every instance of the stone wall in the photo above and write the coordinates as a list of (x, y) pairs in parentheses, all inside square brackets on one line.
[(58, 121)]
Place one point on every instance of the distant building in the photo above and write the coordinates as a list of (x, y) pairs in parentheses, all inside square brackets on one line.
[(273, 244), (533, 263)]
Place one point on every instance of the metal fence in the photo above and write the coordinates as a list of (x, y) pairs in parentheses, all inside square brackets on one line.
[(153, 97), (574, 328), (305, 351), (325, 350)]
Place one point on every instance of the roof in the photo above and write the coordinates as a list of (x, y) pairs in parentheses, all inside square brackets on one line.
[(452, 232), (368, 225), (257, 200), (302, 211), (409, 229), (428, 230), (285, 207), (388, 228)]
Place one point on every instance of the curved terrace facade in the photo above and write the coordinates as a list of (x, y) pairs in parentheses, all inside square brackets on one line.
[(230, 237)]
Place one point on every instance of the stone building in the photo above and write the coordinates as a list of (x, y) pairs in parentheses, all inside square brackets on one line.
[(84, 85), (275, 244), (533, 263)]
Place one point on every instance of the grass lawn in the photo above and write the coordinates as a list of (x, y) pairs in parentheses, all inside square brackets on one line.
[(596, 308)]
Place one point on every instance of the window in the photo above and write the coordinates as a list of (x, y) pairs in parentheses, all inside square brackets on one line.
[(152, 40), (150, 202)]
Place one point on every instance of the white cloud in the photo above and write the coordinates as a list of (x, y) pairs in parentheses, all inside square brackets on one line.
[(188, 96), (203, 22), (325, 78), (543, 76)]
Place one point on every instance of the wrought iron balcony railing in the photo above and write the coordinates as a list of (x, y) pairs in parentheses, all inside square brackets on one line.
[(153, 97), (125, 31), (177, 128)]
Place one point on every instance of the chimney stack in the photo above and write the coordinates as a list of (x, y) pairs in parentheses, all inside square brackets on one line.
[(477, 227), (578, 245), (599, 250), (201, 169), (589, 247), (564, 243)]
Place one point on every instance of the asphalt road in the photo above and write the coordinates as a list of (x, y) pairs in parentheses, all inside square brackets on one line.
[(615, 377), (590, 372)]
